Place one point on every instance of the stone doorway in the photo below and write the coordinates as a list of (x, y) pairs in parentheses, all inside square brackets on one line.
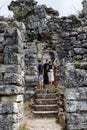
[(50, 55)]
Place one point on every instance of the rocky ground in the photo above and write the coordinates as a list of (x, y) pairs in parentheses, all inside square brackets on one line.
[(43, 124)]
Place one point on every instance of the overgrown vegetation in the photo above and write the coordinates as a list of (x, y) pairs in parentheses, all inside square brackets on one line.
[(23, 126), (20, 12), (10, 25), (77, 64)]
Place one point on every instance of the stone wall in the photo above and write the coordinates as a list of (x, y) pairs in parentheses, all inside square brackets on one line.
[(74, 60), (31, 73), (11, 78), (76, 96)]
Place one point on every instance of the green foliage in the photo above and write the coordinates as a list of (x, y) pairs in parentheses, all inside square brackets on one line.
[(32, 36), (77, 64), (10, 25), (16, 11), (20, 12)]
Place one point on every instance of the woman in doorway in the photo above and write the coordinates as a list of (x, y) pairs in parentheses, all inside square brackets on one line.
[(51, 73)]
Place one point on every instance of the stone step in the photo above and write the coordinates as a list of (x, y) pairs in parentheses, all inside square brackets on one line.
[(45, 91), (45, 113), (45, 107), (49, 87), (45, 101), (45, 96)]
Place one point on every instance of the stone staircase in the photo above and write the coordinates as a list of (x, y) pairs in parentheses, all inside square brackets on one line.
[(46, 102)]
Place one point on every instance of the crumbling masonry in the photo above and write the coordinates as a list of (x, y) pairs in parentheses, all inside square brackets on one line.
[(38, 32)]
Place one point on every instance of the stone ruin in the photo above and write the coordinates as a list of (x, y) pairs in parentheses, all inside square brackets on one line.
[(37, 31)]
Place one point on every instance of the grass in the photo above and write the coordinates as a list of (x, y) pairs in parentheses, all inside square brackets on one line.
[(23, 126)]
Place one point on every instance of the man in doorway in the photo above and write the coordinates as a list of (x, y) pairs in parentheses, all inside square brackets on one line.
[(46, 68), (40, 74)]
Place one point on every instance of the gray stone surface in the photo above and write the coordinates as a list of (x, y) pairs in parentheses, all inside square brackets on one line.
[(10, 118), (76, 93), (76, 78), (76, 117), (12, 58), (8, 108), (10, 90), (10, 68), (11, 32), (76, 106), (8, 126), (13, 78), (11, 48)]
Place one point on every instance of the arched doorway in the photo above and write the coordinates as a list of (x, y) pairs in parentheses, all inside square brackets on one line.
[(48, 54)]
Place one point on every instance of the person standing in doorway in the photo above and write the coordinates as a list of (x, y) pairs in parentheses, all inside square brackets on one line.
[(51, 73), (40, 74), (46, 68)]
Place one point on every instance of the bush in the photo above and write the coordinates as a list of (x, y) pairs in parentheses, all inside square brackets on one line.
[(77, 64)]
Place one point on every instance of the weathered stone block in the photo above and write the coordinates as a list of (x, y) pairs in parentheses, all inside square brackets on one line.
[(65, 35), (76, 106), (77, 126), (8, 126), (76, 43), (83, 65), (10, 69), (13, 78), (30, 61), (80, 51), (12, 98), (31, 70), (11, 118), (31, 78), (85, 57), (11, 48), (84, 45), (10, 90), (11, 41), (82, 36), (11, 32), (76, 93), (2, 27), (31, 51), (78, 57), (73, 33), (76, 117), (8, 108), (12, 58), (1, 38), (75, 77), (67, 46), (30, 85)]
